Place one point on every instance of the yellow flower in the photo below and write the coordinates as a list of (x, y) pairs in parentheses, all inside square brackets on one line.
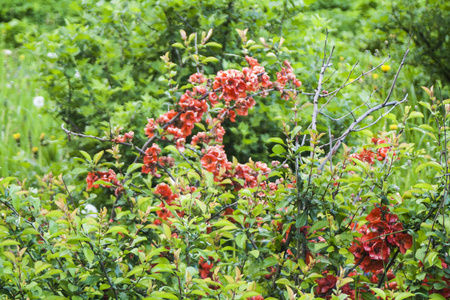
[(393, 127), (385, 68), (341, 58), (42, 136), (16, 136), (22, 57), (34, 149), (375, 76)]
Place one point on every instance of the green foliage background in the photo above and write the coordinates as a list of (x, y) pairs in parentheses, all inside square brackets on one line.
[(98, 66)]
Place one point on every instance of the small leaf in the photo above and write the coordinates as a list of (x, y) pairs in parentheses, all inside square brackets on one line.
[(415, 114), (133, 167), (89, 254), (209, 59), (116, 229), (86, 155), (178, 45), (40, 266), (240, 240), (98, 156), (201, 205), (278, 149), (213, 44), (30, 231), (404, 295), (9, 243)]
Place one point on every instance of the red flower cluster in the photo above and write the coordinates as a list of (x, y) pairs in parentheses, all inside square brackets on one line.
[(381, 152), (380, 234), (388, 285), (109, 176), (168, 196), (216, 134), (284, 76), (205, 267), (151, 159), (234, 86), (327, 284), (250, 175), (215, 160), (365, 155), (123, 139), (256, 298), (197, 78), (192, 106)]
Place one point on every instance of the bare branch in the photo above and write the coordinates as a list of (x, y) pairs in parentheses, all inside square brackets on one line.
[(352, 127)]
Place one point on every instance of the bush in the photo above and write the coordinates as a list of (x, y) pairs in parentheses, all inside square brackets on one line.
[(186, 221), (105, 66)]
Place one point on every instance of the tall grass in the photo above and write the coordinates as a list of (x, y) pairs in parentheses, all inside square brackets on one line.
[(29, 138)]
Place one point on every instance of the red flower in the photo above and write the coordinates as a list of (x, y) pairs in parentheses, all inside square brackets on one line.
[(150, 128), (164, 213), (205, 268), (380, 251), (163, 190), (403, 241), (90, 179), (325, 285)]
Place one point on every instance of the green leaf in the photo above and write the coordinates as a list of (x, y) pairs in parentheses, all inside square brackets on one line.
[(86, 155), (301, 219), (213, 44), (404, 295), (415, 114), (133, 167), (178, 45), (432, 258), (209, 59), (40, 266), (30, 231), (284, 281), (278, 149), (201, 205), (9, 243), (363, 165), (433, 164), (240, 240), (318, 225), (136, 269), (89, 255), (98, 156), (424, 186), (116, 229), (269, 262), (9, 255), (255, 253), (379, 292), (275, 140)]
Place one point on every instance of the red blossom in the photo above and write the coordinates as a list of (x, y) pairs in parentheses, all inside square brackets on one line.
[(325, 285)]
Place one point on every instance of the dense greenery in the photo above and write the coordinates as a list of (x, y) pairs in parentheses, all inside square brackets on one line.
[(186, 169)]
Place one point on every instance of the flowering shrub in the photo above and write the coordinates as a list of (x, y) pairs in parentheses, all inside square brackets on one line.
[(186, 221)]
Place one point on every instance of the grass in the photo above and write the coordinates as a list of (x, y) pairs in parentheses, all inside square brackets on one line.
[(29, 136)]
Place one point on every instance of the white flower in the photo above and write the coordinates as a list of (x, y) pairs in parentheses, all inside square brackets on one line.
[(52, 55), (90, 211), (7, 52), (77, 74), (38, 101)]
